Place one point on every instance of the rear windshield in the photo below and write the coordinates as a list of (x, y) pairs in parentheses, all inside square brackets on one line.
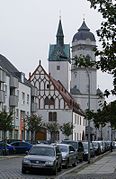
[(43, 151), (74, 144), (63, 148)]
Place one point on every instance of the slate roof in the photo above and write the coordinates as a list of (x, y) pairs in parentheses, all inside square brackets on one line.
[(59, 51), (83, 33), (11, 69)]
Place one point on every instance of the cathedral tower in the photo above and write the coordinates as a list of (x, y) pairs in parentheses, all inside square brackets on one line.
[(59, 59), (83, 43)]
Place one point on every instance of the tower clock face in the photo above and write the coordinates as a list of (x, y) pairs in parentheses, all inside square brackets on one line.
[(59, 53)]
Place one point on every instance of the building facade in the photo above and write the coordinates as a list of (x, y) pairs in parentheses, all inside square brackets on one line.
[(55, 104), (15, 96)]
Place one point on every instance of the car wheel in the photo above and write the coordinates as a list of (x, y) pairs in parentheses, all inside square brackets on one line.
[(67, 164), (74, 164), (23, 170), (55, 170), (60, 168)]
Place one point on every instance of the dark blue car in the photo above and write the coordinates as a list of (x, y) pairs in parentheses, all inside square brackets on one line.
[(6, 148), (21, 146)]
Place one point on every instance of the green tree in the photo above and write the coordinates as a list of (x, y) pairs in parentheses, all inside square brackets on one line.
[(6, 124), (67, 129), (107, 37), (99, 120), (105, 116), (34, 124), (53, 128)]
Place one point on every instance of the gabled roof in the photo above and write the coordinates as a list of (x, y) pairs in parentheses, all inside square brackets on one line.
[(72, 104)]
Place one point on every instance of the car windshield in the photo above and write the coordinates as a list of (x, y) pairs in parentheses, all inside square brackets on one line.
[(63, 148), (43, 151)]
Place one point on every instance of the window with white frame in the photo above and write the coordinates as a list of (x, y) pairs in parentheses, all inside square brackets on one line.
[(17, 113), (23, 98), (5, 90), (77, 136), (80, 136), (75, 119), (18, 94), (80, 120), (27, 98)]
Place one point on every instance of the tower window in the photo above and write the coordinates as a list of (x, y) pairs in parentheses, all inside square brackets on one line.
[(58, 67)]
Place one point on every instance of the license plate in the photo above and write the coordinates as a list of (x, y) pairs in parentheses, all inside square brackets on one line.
[(37, 165)]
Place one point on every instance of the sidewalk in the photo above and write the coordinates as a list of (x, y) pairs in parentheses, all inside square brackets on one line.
[(105, 168), (9, 156)]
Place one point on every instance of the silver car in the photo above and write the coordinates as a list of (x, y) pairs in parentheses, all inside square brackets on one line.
[(43, 156), (69, 155)]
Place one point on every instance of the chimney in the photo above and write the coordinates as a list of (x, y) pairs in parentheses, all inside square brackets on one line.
[(29, 74)]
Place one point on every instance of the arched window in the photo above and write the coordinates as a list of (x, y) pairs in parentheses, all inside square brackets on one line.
[(46, 101)]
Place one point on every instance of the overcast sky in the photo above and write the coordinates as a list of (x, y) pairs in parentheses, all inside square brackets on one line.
[(27, 27)]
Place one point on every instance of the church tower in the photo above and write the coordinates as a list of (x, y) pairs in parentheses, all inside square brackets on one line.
[(84, 80), (59, 59), (83, 43)]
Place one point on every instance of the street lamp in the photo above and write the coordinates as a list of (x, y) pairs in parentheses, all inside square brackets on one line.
[(88, 106), (88, 110)]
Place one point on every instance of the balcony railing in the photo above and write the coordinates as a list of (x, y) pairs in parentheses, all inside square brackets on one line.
[(2, 96), (13, 101), (2, 76), (14, 82)]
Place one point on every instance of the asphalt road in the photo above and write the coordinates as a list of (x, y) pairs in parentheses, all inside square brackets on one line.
[(102, 167), (11, 169)]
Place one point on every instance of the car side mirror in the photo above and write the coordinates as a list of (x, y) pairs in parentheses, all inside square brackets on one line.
[(71, 151), (58, 154), (27, 152)]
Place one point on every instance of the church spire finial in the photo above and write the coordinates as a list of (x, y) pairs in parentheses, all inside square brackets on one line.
[(84, 17), (59, 14)]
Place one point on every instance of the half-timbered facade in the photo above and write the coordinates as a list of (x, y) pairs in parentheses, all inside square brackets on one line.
[(55, 104)]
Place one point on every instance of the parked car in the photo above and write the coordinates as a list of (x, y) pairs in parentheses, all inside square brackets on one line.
[(92, 151), (21, 147), (69, 155), (78, 146), (43, 156), (7, 148), (102, 145), (97, 149), (114, 144)]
